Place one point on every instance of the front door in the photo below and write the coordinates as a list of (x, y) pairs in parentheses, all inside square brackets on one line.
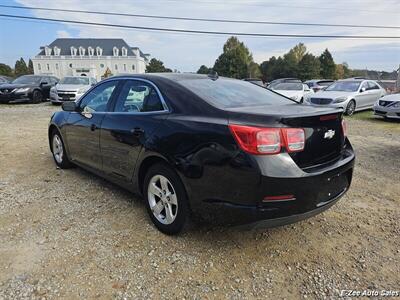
[(83, 129), (138, 112), (363, 98)]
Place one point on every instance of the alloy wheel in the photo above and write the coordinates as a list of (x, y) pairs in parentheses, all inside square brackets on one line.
[(58, 151), (162, 199), (350, 108)]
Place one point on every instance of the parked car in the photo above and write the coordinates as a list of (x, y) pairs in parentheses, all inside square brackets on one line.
[(255, 81), (294, 90), (219, 148), (71, 88), (27, 88), (350, 94), (282, 80), (319, 84), (5, 79), (388, 106)]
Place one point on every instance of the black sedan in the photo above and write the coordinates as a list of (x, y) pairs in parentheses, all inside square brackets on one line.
[(27, 88), (216, 148)]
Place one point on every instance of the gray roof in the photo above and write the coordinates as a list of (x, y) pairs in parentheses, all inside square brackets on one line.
[(107, 45)]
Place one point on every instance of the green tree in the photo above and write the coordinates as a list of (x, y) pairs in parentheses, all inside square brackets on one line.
[(328, 67), (297, 52), (20, 67), (30, 67), (156, 66), (203, 70), (254, 70), (309, 67), (6, 70), (235, 60)]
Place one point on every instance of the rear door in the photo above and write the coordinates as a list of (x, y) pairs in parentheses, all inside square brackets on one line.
[(374, 92), (137, 113), (83, 127)]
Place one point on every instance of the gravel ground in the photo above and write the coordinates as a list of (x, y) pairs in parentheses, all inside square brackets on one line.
[(69, 234)]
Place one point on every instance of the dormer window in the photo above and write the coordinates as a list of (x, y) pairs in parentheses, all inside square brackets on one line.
[(90, 51), (124, 51), (73, 51), (47, 51), (115, 51), (57, 51), (99, 51), (82, 51)]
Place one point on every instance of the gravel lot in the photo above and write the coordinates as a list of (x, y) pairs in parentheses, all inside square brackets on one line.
[(69, 234)]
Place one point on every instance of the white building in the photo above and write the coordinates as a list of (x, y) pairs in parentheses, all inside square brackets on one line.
[(90, 57)]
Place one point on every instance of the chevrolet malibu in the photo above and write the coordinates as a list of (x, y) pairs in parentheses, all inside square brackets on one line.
[(212, 148), (70, 88)]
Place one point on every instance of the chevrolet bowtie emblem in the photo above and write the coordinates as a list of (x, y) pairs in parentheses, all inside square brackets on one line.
[(329, 134)]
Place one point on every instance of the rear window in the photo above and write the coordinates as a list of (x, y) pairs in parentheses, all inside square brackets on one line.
[(230, 93), (325, 83)]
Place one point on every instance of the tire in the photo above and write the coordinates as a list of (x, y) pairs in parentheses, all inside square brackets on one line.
[(37, 96), (166, 199), (350, 108), (58, 150)]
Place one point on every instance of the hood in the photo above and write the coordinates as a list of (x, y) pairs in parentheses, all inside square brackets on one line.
[(332, 94), (290, 93), (70, 87), (391, 97), (11, 86)]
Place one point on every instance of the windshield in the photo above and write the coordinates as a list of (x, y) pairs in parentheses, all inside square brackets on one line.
[(230, 93), (75, 80), (344, 86), (27, 80), (288, 86)]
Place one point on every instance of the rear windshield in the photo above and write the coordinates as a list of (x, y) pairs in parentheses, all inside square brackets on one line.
[(325, 83), (230, 93)]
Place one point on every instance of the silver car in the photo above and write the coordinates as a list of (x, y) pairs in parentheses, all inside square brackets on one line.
[(350, 94), (388, 106), (71, 88)]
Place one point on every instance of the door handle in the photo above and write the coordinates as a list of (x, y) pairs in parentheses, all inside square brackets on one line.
[(137, 131), (93, 127)]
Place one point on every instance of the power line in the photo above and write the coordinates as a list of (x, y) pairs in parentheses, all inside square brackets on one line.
[(199, 19), (201, 31)]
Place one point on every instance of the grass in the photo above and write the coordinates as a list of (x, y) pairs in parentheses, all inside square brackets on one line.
[(368, 116)]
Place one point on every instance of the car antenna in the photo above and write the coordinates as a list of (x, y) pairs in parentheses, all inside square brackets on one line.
[(213, 75)]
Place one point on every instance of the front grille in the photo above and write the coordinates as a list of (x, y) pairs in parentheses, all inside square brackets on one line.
[(379, 112), (321, 101), (385, 103), (6, 91), (66, 95)]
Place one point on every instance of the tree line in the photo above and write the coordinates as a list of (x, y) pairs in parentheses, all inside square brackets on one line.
[(20, 68), (236, 61)]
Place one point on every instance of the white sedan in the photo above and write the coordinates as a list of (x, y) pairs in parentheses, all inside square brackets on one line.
[(388, 106), (293, 90)]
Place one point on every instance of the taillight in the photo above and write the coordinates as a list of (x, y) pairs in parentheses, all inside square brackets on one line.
[(257, 140), (294, 138), (344, 127)]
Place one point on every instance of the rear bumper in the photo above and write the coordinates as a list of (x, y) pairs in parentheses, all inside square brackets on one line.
[(313, 193)]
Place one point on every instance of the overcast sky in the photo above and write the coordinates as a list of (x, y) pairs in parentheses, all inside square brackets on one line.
[(186, 52)]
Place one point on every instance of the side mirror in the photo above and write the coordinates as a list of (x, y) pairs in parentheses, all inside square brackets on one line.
[(69, 106), (44, 83), (363, 89)]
